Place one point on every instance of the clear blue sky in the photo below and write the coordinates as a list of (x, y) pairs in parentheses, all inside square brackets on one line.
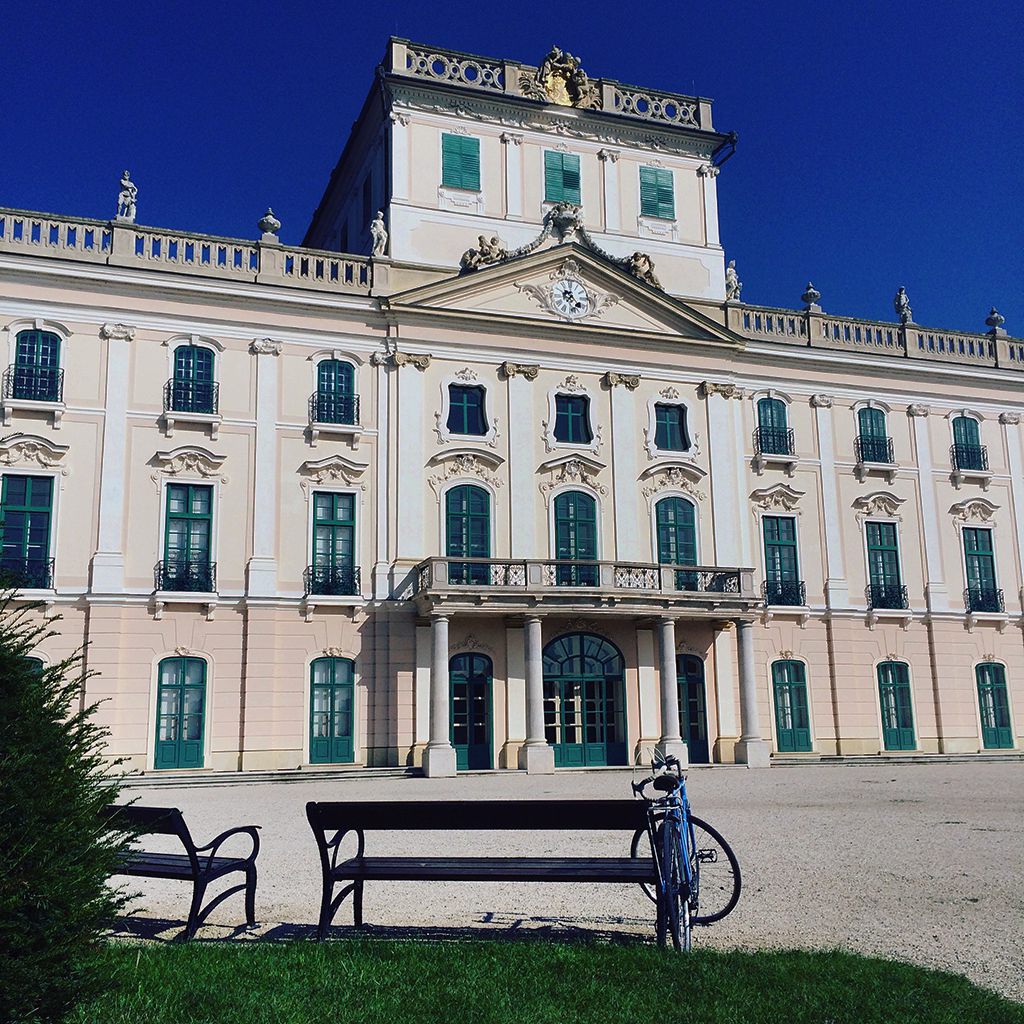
[(880, 144)]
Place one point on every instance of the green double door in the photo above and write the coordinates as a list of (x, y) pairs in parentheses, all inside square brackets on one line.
[(792, 720), (693, 713), (996, 730), (181, 713), (470, 680), (332, 693), (897, 710), (584, 713)]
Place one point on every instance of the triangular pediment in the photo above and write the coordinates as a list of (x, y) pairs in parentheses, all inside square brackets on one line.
[(566, 287)]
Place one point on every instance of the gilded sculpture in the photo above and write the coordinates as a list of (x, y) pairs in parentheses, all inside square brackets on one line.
[(561, 80)]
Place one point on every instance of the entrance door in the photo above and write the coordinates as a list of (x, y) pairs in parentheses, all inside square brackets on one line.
[(181, 710), (332, 688), (792, 722), (693, 716), (470, 680), (996, 731), (584, 715), (897, 713)]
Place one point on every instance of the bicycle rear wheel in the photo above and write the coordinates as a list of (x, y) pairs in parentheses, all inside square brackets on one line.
[(718, 883), (677, 887)]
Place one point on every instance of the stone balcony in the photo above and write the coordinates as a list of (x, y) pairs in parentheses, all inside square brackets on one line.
[(525, 586)]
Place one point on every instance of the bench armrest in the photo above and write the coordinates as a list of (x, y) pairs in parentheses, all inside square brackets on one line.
[(251, 830)]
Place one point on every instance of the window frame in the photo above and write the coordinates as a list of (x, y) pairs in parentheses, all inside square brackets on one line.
[(51, 540), (461, 186), (358, 543), (569, 416), (467, 377), (657, 172), (154, 708), (563, 198)]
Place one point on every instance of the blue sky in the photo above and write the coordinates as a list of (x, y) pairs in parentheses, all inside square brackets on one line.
[(880, 144)]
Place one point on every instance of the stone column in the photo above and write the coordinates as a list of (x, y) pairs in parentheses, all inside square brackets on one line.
[(439, 757), (751, 750), (535, 755), (671, 743)]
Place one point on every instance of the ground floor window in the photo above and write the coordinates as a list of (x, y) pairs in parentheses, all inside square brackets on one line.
[(181, 713), (470, 682), (584, 701), (792, 721), (332, 686), (897, 711), (996, 730)]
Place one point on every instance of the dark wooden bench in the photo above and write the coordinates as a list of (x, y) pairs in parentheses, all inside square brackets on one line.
[(358, 817), (199, 865)]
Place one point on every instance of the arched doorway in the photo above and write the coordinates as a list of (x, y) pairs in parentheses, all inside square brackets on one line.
[(693, 714), (181, 711), (584, 703), (470, 683), (332, 695)]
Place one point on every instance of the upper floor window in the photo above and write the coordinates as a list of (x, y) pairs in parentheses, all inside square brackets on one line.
[(575, 539), (773, 434), (468, 533), (670, 428), (783, 585), (873, 443), (460, 162), (561, 177), (26, 513), (885, 588), (192, 388), (188, 536), (657, 195), (334, 538), (335, 400), (36, 375), (968, 451), (466, 410), (572, 419), (982, 594)]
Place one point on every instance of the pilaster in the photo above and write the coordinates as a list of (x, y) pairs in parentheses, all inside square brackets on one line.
[(610, 163), (262, 580), (521, 480), (936, 594), (837, 594), (512, 144), (624, 475)]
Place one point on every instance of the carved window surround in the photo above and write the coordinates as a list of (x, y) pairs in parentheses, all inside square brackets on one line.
[(572, 472), (671, 396), (56, 410), (465, 377), (673, 475), (333, 472), (465, 465), (572, 385)]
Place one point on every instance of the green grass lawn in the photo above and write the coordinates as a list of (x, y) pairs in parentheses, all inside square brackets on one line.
[(523, 983)]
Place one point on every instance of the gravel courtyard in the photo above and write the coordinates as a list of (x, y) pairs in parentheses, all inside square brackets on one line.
[(920, 862)]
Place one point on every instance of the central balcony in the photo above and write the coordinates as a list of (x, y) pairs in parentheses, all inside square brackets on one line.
[(517, 586)]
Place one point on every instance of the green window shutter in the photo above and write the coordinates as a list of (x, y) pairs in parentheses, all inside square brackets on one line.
[(561, 177), (460, 162), (965, 431), (657, 193)]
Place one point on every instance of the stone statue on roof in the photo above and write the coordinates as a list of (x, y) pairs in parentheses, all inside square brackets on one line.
[(126, 199), (733, 284), (378, 234), (902, 306)]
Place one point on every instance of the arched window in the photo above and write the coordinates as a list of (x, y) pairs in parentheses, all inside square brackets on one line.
[(675, 521), (968, 451), (468, 533), (873, 443), (996, 728), (792, 722), (193, 388), (37, 376), (181, 713), (332, 692), (36, 665), (335, 400), (896, 707), (576, 539), (773, 434)]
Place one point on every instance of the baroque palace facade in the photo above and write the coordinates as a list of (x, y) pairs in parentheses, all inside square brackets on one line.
[(525, 485)]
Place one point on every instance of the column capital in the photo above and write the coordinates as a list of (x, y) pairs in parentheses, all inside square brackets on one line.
[(440, 616), (265, 347), (708, 388), (610, 155), (121, 332), (511, 137)]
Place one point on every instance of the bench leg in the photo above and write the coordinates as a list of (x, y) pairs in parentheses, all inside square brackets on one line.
[(250, 895), (198, 892), (325, 910), (357, 904)]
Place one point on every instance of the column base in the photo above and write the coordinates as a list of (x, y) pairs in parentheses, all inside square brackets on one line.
[(753, 753), (537, 759), (675, 748), (439, 762)]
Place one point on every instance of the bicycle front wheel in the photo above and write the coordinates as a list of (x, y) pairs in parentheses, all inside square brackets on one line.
[(717, 880)]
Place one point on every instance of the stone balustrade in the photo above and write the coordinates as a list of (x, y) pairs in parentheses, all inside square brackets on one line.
[(132, 245), (815, 329)]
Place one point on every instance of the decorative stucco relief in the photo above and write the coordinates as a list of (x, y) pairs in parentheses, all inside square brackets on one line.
[(335, 469), (673, 478), (265, 347), (780, 497), (976, 509), (188, 460), (881, 503), (471, 643), (120, 332), (708, 388), (31, 450), (572, 470), (465, 464)]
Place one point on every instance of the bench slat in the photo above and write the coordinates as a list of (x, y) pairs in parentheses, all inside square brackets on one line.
[(498, 869), (172, 865)]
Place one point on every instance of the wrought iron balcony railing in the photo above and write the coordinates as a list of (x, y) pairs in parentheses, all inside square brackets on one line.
[(34, 383), (325, 407), (984, 599), (773, 441), (201, 396), (784, 593), (338, 580), (25, 573), (186, 575), (887, 596), (970, 457), (874, 449)]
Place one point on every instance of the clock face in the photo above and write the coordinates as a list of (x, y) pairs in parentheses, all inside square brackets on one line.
[(570, 298)]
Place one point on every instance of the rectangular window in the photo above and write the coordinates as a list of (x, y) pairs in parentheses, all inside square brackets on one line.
[(572, 419), (460, 162), (979, 557), (886, 585), (188, 539), (26, 507), (781, 572), (670, 428), (466, 410), (334, 538), (561, 177), (657, 195)]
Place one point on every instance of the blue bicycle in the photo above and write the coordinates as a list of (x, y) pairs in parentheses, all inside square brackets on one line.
[(698, 874)]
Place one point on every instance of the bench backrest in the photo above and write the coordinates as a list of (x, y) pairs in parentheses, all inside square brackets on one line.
[(477, 815), (151, 821)]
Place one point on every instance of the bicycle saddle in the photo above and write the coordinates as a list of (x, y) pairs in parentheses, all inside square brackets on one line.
[(666, 783)]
